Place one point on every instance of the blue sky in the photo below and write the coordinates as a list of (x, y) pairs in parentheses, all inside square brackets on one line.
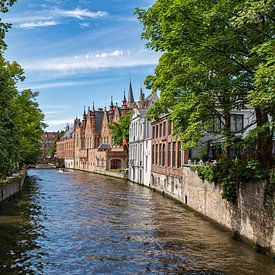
[(76, 52)]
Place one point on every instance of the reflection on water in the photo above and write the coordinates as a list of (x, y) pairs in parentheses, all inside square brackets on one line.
[(79, 223)]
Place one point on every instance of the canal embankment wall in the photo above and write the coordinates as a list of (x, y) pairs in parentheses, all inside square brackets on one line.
[(105, 173), (251, 218), (12, 185)]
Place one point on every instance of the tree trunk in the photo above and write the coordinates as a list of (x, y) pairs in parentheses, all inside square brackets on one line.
[(264, 139)]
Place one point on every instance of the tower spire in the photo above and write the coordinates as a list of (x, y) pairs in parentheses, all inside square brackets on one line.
[(84, 113), (141, 95), (112, 105), (130, 94), (124, 101)]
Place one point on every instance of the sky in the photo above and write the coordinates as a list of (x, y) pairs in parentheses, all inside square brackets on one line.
[(78, 52)]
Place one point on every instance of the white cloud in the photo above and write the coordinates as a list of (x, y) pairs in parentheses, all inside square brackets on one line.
[(42, 86), (108, 54), (49, 17), (50, 113), (85, 24), (59, 123), (80, 13), (94, 61), (54, 85), (38, 24), (56, 107)]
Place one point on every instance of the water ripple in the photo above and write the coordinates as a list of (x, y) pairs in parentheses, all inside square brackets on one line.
[(80, 223)]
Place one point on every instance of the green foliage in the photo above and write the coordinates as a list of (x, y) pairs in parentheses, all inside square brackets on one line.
[(270, 185), (217, 56), (20, 118), (231, 173), (59, 135), (208, 173), (120, 130), (30, 126)]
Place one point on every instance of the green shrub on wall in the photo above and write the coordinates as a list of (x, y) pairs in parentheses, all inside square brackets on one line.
[(230, 173)]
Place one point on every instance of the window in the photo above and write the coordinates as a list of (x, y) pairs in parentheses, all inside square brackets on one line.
[(160, 130), (179, 154), (156, 159), (160, 153), (164, 128), (216, 124), (169, 128), (174, 154), (169, 154), (236, 122), (157, 131), (163, 155), (153, 131)]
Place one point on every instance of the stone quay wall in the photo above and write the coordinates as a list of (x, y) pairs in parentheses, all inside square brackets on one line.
[(13, 185), (251, 219)]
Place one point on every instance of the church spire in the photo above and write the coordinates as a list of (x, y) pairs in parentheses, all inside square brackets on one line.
[(124, 102), (112, 105), (141, 95), (130, 94)]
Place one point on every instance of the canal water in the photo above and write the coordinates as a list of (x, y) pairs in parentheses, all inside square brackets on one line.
[(81, 223)]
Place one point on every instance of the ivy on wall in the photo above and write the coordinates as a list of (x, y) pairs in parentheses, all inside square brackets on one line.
[(231, 173)]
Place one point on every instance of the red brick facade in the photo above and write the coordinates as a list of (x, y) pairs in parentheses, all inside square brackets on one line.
[(46, 144), (167, 155)]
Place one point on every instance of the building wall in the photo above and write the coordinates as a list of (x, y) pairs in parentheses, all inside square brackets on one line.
[(147, 161), (136, 146), (252, 217), (46, 144)]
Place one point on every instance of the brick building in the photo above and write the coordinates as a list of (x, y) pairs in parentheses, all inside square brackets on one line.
[(46, 144), (94, 149), (167, 157), (65, 148)]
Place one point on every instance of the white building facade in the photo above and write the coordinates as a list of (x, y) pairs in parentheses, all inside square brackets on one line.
[(140, 142), (136, 146)]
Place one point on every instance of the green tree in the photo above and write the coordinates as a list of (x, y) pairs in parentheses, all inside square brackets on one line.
[(211, 64), (59, 135), (120, 130), (10, 73), (29, 125), (20, 118)]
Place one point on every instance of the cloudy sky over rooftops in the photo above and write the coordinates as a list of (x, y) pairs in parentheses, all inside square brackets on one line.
[(77, 52)]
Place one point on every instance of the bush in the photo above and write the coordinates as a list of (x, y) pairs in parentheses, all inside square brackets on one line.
[(230, 173)]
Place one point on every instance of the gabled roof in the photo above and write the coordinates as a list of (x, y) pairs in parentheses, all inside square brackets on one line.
[(104, 146), (68, 134)]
